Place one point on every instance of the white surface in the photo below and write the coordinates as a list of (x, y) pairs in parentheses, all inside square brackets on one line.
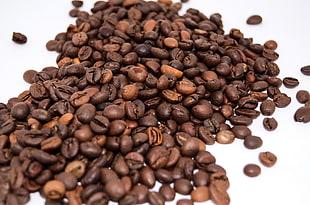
[(287, 22)]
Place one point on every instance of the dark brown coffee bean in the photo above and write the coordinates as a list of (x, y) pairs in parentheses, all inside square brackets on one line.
[(303, 96), (157, 157), (167, 192), (302, 114), (254, 20), (290, 82), (155, 198), (190, 147), (141, 191), (281, 100), (240, 120), (271, 44), (115, 189), (70, 148), (252, 170), (305, 70), (268, 159), (183, 186), (267, 107), (241, 131), (86, 113), (252, 142), (270, 123), (19, 38)]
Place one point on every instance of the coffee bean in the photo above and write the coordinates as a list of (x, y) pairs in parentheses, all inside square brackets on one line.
[(183, 186), (252, 170), (200, 194), (290, 82), (302, 114), (267, 107), (68, 179), (54, 189), (303, 96), (19, 38), (254, 20), (305, 70), (268, 159), (252, 142), (270, 123), (281, 100)]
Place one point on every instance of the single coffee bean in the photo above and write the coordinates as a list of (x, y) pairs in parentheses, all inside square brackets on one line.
[(303, 96), (241, 131), (19, 38), (183, 186), (281, 100), (77, 168), (54, 189), (200, 194), (302, 114), (225, 137), (252, 170), (218, 193), (252, 142), (290, 82), (267, 107), (268, 159), (167, 192), (305, 70), (254, 20), (271, 44), (156, 198), (270, 123)]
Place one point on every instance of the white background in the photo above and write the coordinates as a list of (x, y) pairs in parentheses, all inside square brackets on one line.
[(287, 22)]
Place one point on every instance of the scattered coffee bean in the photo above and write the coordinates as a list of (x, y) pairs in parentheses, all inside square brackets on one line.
[(302, 114), (305, 70), (252, 170), (268, 159), (290, 82), (19, 38), (270, 123), (137, 94), (254, 20), (303, 96)]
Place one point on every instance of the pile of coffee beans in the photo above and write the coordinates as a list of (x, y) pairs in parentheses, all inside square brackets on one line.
[(138, 94)]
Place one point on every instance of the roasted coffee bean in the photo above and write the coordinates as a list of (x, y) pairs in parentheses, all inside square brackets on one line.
[(167, 192), (241, 131), (190, 147), (303, 96), (77, 168), (54, 189), (302, 114), (86, 113), (200, 194), (240, 120), (225, 137), (305, 70), (270, 123), (19, 38), (115, 189), (281, 100), (267, 107), (254, 20), (271, 44), (268, 159), (290, 82), (183, 186), (252, 170), (185, 202), (218, 194), (252, 142), (157, 157)]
